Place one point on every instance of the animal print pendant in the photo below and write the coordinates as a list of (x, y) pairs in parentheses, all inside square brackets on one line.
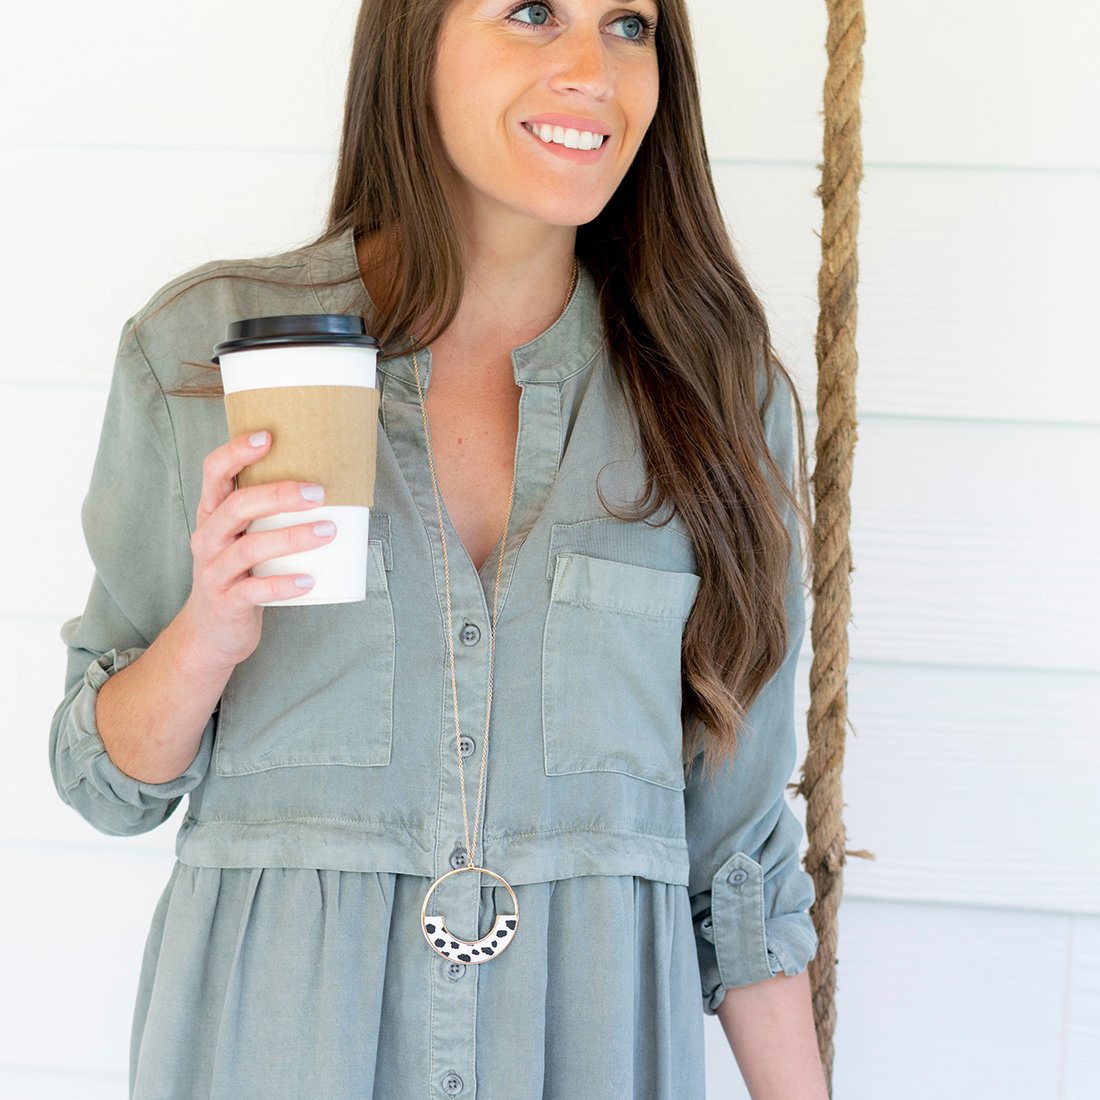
[(449, 946)]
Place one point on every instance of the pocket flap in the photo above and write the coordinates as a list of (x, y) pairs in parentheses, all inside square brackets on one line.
[(628, 589)]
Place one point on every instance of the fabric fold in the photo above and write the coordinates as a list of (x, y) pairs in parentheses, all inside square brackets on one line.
[(284, 982)]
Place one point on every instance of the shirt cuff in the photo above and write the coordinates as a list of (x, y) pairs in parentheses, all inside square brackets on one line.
[(740, 942), (88, 762)]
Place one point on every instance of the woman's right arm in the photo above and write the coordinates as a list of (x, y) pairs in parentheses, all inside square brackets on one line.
[(152, 714), (171, 611)]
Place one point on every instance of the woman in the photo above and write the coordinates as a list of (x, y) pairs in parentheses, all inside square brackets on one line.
[(537, 412)]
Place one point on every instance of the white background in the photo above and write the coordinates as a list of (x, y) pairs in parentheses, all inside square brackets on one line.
[(141, 138)]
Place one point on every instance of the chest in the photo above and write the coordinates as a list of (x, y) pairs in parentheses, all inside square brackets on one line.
[(473, 430)]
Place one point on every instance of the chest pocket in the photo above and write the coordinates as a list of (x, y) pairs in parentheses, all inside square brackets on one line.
[(319, 687), (611, 669)]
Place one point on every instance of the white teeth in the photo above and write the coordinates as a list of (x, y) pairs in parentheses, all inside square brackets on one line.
[(570, 138)]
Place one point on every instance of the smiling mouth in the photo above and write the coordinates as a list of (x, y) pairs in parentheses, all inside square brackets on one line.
[(567, 136)]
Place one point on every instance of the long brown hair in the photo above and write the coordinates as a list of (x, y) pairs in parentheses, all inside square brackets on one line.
[(688, 338)]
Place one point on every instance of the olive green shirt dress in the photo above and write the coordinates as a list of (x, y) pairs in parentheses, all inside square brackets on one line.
[(285, 957)]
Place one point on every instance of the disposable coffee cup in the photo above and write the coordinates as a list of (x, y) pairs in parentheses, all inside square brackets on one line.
[(310, 381)]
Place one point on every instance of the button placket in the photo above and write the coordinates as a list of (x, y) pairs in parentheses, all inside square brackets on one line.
[(455, 997)]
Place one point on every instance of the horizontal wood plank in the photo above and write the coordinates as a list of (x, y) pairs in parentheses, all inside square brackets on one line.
[(44, 1084), (139, 219), (979, 83), (1082, 1017), (977, 293), (943, 1001), (74, 947), (975, 544), (256, 74), (971, 787)]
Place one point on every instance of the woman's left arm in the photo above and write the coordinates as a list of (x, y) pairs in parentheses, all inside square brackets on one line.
[(750, 898), (770, 1028)]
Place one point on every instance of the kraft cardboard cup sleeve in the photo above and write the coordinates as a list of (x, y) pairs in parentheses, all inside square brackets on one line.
[(310, 381)]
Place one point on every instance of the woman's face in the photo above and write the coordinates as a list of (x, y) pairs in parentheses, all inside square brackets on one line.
[(505, 68)]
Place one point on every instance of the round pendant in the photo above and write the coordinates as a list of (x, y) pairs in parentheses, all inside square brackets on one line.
[(449, 946)]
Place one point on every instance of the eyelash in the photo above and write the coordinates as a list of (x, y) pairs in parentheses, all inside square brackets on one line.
[(649, 26)]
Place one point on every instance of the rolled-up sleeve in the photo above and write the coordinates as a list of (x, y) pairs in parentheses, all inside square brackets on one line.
[(138, 539), (749, 894)]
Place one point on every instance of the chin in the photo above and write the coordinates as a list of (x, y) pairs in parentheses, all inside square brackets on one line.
[(571, 213)]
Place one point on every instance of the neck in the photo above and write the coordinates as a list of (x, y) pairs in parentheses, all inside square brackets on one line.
[(515, 284), (516, 281)]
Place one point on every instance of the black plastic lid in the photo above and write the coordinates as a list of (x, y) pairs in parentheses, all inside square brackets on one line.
[(304, 328)]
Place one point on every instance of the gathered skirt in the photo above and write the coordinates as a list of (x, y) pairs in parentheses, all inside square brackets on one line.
[(318, 985)]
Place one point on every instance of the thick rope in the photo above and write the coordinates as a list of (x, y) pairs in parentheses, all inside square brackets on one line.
[(841, 175)]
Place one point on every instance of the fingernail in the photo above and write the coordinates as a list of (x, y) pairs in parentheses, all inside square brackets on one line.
[(303, 582), (258, 439), (313, 492), (324, 529)]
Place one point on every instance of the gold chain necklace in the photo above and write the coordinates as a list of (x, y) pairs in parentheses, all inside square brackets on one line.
[(442, 941)]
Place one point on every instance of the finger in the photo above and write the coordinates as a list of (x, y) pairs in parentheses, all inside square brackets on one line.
[(230, 519), (251, 550), (221, 466), (258, 590)]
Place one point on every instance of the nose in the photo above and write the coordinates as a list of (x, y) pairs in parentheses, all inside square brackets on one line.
[(583, 64)]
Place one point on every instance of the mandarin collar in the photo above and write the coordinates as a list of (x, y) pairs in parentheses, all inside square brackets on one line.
[(567, 347)]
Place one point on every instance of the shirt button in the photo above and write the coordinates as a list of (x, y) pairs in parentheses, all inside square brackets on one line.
[(737, 877), (465, 745), (470, 634), (455, 970), (458, 858), (452, 1084)]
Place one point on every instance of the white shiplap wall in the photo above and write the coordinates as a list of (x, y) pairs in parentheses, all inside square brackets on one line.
[(139, 139)]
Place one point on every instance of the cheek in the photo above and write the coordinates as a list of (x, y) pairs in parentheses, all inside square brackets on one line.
[(643, 96), (651, 94)]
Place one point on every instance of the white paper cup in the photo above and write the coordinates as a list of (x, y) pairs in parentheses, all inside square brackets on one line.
[(271, 354)]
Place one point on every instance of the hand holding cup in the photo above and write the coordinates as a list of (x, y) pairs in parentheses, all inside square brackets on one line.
[(226, 601)]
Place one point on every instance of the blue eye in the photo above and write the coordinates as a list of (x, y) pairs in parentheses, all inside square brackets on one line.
[(545, 11), (635, 28)]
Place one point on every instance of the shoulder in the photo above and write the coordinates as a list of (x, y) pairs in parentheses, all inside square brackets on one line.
[(183, 320)]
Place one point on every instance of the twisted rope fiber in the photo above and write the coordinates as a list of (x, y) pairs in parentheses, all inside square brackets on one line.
[(841, 175)]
